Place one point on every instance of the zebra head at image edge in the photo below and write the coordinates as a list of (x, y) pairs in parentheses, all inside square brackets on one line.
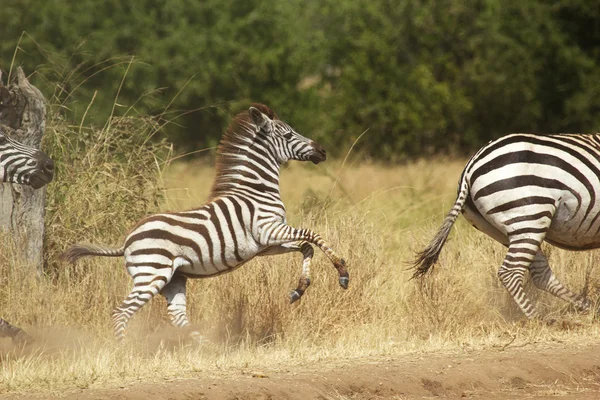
[(23, 164)]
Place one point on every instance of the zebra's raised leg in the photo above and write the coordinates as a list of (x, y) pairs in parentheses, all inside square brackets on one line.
[(175, 294), (307, 252), (146, 285), (304, 281), (17, 335), (521, 253), (278, 234), (543, 278)]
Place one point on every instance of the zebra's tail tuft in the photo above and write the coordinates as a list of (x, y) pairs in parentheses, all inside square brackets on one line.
[(83, 250), (429, 256)]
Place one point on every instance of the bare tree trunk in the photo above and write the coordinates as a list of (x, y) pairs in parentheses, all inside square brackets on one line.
[(23, 108)]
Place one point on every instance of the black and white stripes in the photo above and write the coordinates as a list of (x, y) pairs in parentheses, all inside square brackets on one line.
[(23, 164), (28, 166), (523, 189), (245, 217)]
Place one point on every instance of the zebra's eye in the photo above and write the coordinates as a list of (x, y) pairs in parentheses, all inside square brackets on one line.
[(287, 135)]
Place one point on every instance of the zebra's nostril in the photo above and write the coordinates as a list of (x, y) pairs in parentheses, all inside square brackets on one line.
[(49, 165), (317, 147)]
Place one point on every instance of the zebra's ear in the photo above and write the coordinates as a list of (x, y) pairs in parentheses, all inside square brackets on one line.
[(258, 117)]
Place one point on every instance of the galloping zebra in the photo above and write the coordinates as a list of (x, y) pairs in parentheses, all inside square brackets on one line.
[(523, 189), (244, 218), (28, 166)]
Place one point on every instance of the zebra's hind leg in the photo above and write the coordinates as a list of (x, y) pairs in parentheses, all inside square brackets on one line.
[(175, 292), (544, 279), (521, 252), (17, 335), (145, 286)]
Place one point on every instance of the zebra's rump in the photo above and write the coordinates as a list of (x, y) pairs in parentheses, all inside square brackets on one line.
[(531, 183)]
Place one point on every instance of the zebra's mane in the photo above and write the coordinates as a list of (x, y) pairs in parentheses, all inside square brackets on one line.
[(233, 145)]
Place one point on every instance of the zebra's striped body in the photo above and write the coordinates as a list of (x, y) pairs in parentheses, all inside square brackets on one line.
[(244, 218), (28, 166), (523, 189)]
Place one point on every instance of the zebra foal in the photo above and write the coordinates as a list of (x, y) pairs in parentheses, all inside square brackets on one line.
[(523, 189), (26, 166), (244, 218)]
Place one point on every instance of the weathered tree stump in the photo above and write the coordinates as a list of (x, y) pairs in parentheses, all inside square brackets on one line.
[(23, 108)]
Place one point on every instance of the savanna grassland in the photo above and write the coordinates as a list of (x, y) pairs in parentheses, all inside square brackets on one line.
[(374, 215), (392, 90)]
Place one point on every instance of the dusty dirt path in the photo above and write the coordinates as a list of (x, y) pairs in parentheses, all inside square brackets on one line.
[(538, 372)]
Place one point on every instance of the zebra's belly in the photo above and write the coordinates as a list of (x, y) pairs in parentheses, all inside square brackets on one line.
[(572, 244), (219, 261), (573, 240), (575, 226)]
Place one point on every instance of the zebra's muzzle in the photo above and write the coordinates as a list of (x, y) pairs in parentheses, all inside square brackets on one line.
[(44, 172), (37, 181), (319, 154)]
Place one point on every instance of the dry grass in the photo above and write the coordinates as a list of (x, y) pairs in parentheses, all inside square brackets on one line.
[(374, 216)]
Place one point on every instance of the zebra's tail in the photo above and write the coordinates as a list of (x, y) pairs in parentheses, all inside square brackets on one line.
[(429, 256), (83, 250)]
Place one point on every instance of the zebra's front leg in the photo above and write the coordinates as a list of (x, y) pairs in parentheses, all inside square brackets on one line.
[(175, 294), (307, 253), (304, 281), (543, 278), (278, 234), (17, 335)]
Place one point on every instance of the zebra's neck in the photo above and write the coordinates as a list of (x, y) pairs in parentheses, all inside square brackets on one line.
[(249, 168)]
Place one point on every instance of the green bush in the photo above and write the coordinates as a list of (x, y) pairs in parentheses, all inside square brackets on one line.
[(422, 76)]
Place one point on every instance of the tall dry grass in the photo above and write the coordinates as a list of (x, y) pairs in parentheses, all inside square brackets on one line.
[(373, 215)]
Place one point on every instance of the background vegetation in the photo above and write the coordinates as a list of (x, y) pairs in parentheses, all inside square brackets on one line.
[(422, 76)]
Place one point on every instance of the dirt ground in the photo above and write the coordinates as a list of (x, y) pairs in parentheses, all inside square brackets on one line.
[(552, 371)]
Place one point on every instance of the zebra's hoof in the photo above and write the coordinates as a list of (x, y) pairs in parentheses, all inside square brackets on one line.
[(198, 338), (344, 280), (584, 305), (294, 296)]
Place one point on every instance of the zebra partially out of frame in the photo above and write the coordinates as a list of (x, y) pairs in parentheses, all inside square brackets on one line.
[(523, 189), (27, 166), (245, 217)]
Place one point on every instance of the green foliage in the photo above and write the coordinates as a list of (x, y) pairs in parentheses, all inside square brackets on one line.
[(422, 76), (428, 76)]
